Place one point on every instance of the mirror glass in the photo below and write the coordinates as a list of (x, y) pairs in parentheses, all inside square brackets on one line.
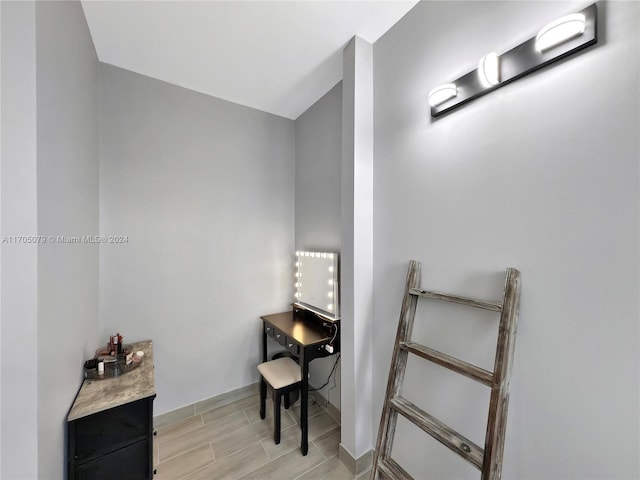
[(316, 282)]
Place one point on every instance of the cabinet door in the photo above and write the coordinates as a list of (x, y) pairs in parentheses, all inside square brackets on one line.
[(129, 463), (112, 429)]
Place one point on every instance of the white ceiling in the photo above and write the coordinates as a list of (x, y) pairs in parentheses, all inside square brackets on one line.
[(276, 56)]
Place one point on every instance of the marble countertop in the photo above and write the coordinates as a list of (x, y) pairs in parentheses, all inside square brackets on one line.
[(98, 395)]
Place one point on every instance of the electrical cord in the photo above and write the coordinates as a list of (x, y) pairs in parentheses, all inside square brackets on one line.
[(333, 369), (335, 334)]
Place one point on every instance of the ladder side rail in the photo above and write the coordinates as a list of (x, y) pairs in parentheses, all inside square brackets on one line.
[(388, 420), (499, 401), (452, 363), (469, 302)]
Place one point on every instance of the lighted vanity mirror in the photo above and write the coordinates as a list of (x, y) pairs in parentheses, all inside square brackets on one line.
[(316, 283)]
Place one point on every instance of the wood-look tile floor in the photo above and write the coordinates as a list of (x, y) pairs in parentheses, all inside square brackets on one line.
[(232, 442)]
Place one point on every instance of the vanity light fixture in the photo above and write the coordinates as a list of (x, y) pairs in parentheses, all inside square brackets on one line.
[(442, 93), (316, 283), (489, 70), (560, 30), (560, 38)]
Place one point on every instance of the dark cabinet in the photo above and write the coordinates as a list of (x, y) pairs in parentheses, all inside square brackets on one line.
[(126, 463), (113, 444), (110, 426)]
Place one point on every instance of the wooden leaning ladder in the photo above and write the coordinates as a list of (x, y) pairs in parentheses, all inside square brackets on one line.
[(489, 459)]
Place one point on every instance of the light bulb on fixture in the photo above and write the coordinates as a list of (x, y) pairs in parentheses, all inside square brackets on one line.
[(442, 93), (559, 31), (489, 70)]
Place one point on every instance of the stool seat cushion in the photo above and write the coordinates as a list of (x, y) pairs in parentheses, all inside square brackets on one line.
[(281, 372)]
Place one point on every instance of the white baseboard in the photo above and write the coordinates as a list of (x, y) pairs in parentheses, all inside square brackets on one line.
[(357, 466), (331, 409), (230, 397), (204, 405)]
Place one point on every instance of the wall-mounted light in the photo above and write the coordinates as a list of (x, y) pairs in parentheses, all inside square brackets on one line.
[(489, 70), (559, 31), (558, 39), (442, 93)]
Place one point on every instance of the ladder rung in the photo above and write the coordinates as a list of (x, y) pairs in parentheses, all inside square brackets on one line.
[(460, 366), (470, 302), (390, 468), (438, 430)]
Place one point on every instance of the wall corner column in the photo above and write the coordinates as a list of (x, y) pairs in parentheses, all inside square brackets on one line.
[(357, 253)]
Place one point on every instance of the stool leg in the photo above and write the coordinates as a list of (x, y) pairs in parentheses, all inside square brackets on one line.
[(263, 397), (286, 401), (276, 417)]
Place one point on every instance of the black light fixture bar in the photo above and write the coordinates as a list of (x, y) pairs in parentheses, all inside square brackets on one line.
[(520, 61)]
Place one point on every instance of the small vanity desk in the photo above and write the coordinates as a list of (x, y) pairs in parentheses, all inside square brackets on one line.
[(307, 335)]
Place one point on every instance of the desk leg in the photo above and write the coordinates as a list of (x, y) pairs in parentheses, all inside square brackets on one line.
[(264, 343), (263, 397), (304, 403), (263, 384)]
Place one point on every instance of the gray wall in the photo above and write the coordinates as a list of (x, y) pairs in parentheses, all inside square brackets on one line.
[(19, 279), (203, 190), (49, 187), (318, 162), (67, 123), (318, 144), (541, 175)]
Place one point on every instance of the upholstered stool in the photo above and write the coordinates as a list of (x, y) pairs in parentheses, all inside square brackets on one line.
[(283, 374)]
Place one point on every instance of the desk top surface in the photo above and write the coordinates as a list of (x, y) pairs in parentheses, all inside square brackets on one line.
[(297, 328), (98, 395)]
